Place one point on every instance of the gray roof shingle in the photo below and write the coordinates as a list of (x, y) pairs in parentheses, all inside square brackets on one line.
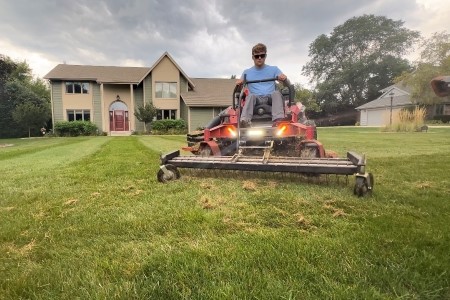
[(401, 98), (210, 92), (100, 74)]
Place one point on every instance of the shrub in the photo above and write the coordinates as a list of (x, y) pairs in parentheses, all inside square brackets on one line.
[(407, 120), (168, 126), (75, 128), (442, 118)]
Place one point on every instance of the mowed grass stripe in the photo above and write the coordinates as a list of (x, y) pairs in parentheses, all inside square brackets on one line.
[(163, 144), (12, 148), (52, 155)]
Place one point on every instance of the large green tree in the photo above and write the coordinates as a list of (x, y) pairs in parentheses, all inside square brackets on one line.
[(358, 58), (19, 90), (434, 61), (31, 115)]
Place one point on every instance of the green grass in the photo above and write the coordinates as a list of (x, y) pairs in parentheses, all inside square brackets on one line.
[(85, 218)]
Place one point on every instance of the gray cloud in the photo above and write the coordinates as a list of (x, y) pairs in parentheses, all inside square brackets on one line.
[(207, 38)]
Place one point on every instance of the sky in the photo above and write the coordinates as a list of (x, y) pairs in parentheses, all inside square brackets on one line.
[(207, 38)]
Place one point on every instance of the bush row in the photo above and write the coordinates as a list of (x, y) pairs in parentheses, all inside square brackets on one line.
[(168, 126), (75, 128)]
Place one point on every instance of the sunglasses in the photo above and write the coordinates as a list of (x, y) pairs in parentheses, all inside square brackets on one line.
[(258, 56)]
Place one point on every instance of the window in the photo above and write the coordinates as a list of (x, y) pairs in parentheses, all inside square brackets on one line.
[(166, 90), (163, 114), (77, 87), (78, 115)]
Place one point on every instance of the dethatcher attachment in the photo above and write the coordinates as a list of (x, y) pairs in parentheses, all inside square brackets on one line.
[(354, 164), (288, 145)]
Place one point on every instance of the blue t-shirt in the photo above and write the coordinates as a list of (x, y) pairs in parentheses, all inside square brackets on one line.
[(266, 72)]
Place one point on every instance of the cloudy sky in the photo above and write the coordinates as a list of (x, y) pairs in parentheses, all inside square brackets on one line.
[(207, 38)]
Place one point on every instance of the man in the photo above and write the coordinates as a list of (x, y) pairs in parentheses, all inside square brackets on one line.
[(262, 90)]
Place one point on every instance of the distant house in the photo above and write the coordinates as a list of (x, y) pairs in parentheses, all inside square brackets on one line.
[(109, 95), (378, 111), (394, 98)]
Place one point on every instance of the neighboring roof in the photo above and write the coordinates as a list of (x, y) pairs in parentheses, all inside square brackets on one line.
[(100, 74), (210, 92), (400, 98)]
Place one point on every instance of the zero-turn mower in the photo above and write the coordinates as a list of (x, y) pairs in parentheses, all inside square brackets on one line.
[(289, 145)]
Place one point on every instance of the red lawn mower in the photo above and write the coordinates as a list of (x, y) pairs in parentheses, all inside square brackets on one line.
[(288, 145)]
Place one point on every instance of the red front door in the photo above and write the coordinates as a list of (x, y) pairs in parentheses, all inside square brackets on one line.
[(118, 120)]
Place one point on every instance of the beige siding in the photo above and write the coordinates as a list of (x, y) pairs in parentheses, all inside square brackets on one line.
[(200, 117), (76, 101), (110, 92), (166, 71)]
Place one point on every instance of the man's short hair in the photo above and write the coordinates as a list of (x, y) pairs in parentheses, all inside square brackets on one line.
[(259, 48)]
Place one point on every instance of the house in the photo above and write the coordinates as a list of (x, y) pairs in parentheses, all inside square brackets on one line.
[(109, 95), (379, 111), (393, 99)]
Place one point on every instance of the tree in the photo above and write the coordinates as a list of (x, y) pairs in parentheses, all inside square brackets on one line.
[(434, 61), (145, 113), (17, 87), (306, 97), (31, 115), (359, 58)]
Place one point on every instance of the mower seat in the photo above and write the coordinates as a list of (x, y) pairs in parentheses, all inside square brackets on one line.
[(262, 109)]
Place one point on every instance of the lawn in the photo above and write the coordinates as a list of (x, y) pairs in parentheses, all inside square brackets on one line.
[(85, 218)]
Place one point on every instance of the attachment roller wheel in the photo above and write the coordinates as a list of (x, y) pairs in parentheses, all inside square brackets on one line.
[(167, 173), (363, 185)]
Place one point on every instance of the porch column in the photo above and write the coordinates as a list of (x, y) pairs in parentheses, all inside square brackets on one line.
[(104, 111), (131, 117)]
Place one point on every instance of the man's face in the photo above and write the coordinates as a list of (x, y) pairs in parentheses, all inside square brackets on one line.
[(259, 58)]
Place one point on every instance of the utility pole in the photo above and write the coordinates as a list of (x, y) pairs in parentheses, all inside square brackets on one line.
[(390, 116)]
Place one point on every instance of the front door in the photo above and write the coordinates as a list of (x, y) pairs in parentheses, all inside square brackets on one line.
[(118, 120)]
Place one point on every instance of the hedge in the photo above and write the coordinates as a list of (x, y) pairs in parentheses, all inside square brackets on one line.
[(75, 128), (168, 126)]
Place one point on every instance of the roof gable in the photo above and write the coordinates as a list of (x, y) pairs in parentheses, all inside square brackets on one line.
[(166, 54)]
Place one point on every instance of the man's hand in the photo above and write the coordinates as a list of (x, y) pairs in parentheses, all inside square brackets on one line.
[(281, 77), (239, 81)]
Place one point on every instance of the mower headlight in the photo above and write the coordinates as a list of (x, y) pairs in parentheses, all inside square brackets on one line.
[(281, 130), (255, 132), (231, 131)]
